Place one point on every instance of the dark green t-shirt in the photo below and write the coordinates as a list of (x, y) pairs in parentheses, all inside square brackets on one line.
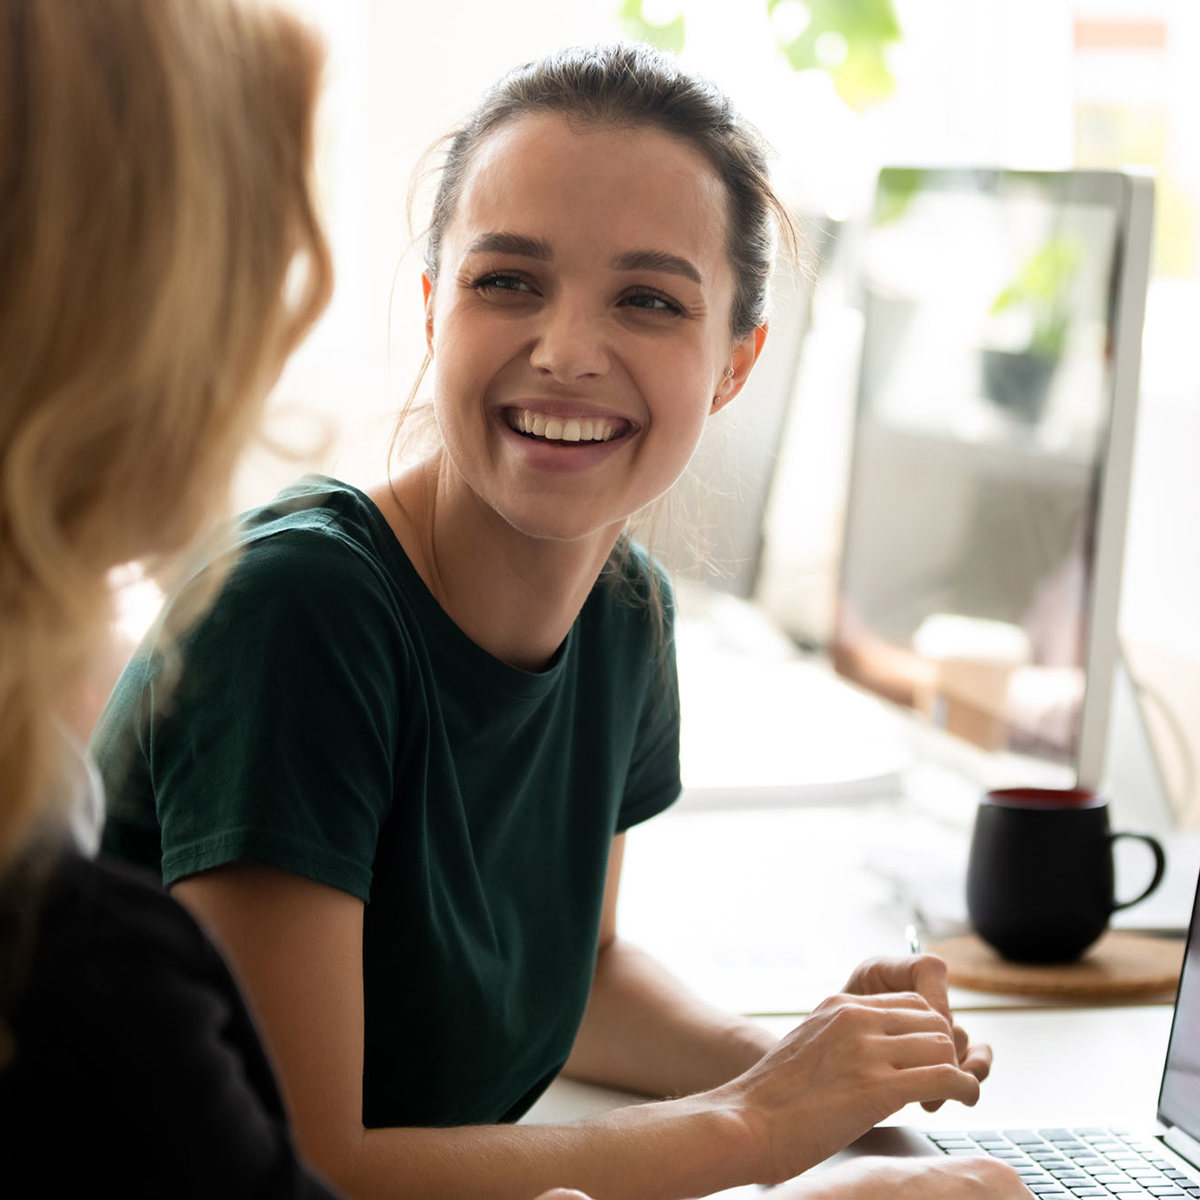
[(331, 720)]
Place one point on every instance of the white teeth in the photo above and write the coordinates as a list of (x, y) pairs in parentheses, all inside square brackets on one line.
[(556, 429)]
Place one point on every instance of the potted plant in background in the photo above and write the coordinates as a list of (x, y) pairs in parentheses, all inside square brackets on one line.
[(1038, 300)]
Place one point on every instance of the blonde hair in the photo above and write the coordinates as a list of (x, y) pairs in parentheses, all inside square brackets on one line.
[(155, 210)]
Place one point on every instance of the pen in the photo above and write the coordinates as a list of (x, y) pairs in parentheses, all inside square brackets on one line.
[(913, 938)]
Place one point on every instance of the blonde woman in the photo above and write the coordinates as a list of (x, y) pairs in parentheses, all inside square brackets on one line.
[(154, 195)]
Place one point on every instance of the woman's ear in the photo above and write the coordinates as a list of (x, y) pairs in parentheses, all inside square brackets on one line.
[(741, 361)]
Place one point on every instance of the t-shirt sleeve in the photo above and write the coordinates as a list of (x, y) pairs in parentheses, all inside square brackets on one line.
[(277, 743), (653, 782)]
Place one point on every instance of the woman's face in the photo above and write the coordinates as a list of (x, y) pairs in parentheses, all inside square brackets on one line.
[(579, 325)]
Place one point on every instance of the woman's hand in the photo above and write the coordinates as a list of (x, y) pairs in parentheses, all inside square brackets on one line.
[(894, 1179), (856, 1060), (910, 1179), (926, 974)]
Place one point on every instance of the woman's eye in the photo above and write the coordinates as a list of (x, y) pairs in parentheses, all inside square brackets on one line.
[(652, 302), (499, 282)]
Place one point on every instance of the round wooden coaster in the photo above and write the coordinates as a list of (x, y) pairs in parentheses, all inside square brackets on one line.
[(1118, 966)]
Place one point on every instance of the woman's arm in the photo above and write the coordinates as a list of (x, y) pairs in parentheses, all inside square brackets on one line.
[(298, 948)]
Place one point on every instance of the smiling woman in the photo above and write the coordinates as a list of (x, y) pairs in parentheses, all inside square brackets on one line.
[(396, 774), (583, 277)]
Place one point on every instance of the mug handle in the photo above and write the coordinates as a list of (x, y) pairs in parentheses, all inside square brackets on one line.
[(1160, 865)]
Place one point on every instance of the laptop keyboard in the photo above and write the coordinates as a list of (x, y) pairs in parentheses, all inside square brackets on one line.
[(1078, 1162)]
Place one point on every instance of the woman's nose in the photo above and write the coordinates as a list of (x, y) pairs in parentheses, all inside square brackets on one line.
[(570, 344)]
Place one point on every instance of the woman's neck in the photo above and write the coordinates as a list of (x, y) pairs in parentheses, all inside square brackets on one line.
[(514, 595)]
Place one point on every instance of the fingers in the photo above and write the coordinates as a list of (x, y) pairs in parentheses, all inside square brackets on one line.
[(898, 999), (912, 1039), (927, 976), (904, 1009), (915, 1030), (922, 1045), (934, 1085), (856, 1060), (962, 1044), (977, 1060), (921, 1049), (924, 973), (931, 977), (933, 1073)]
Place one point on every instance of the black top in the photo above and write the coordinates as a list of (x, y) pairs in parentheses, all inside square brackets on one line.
[(138, 1071)]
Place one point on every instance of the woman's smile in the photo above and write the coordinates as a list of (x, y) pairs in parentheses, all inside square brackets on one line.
[(553, 441), (564, 430)]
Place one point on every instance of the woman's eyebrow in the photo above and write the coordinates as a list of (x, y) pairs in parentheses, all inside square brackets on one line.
[(511, 243), (656, 260), (628, 260)]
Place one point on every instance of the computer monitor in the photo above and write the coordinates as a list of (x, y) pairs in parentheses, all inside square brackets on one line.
[(985, 521)]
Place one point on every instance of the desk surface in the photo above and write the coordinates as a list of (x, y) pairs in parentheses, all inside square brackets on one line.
[(815, 826), (767, 911)]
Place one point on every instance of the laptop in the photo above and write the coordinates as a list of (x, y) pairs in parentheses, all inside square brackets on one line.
[(1090, 1161)]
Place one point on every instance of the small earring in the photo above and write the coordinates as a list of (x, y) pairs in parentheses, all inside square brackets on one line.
[(728, 372)]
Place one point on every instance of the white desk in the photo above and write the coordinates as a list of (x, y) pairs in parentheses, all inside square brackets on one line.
[(765, 885)]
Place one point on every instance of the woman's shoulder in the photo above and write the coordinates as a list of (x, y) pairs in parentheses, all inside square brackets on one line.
[(316, 526), (319, 547), (132, 1041), (95, 909), (107, 954), (118, 967)]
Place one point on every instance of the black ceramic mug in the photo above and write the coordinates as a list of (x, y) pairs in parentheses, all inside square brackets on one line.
[(1040, 873)]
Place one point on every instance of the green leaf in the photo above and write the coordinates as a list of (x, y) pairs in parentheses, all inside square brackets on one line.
[(866, 28), (1042, 287), (669, 36), (897, 186)]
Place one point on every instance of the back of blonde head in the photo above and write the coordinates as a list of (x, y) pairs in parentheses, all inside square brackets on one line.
[(155, 200)]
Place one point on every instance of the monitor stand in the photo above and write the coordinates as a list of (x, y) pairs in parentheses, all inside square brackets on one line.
[(1140, 800), (1133, 777)]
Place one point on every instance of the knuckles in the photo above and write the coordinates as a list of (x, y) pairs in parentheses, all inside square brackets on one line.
[(997, 1178)]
